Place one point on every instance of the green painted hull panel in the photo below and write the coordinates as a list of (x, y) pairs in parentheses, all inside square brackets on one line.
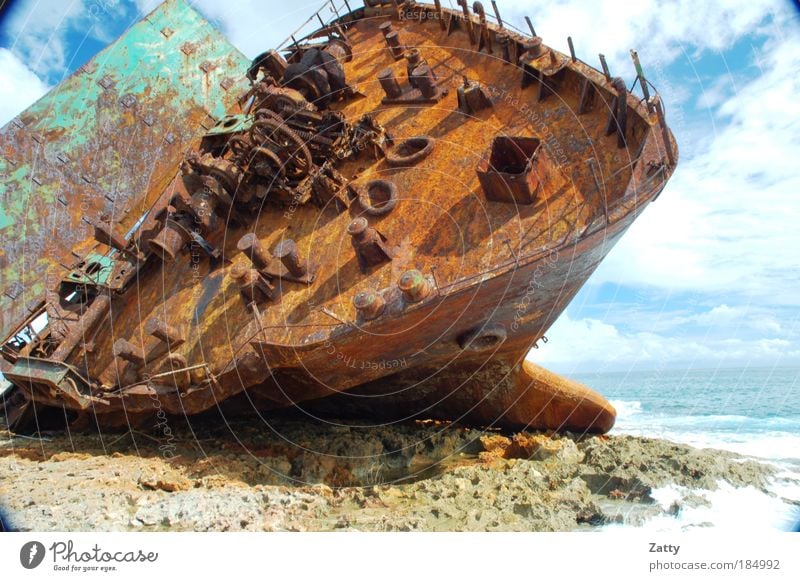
[(106, 141)]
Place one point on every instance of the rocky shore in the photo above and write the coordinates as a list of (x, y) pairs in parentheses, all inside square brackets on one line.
[(289, 474)]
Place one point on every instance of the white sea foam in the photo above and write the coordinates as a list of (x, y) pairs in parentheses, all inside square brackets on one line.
[(626, 409), (752, 412), (733, 509), (772, 440), (787, 485)]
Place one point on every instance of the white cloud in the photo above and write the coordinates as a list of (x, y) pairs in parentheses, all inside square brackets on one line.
[(647, 314), (591, 343), (243, 21), (39, 31), (727, 222), (721, 315), (254, 26), (660, 31), (19, 86), (715, 93)]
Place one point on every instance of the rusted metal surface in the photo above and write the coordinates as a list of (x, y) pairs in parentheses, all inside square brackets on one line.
[(347, 231), (106, 141)]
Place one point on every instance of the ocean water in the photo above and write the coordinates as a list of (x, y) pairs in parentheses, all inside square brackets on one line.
[(752, 411)]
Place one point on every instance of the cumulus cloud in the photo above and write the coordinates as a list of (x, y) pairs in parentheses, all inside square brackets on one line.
[(587, 343), (728, 220), (254, 26), (661, 31), (40, 31), (19, 86)]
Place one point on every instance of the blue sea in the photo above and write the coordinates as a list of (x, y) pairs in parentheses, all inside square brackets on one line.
[(752, 411)]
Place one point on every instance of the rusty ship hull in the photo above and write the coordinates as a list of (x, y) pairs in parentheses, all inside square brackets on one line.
[(379, 220)]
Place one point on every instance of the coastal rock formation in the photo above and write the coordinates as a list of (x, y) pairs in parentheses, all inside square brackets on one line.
[(295, 475)]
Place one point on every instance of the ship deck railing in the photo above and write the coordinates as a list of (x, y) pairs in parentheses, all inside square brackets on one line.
[(316, 21), (335, 11)]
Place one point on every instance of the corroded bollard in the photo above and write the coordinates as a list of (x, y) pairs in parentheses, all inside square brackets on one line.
[(472, 97), (128, 351), (389, 84), (286, 251), (369, 304), (424, 80), (385, 28), (171, 240), (534, 47), (414, 286), (414, 59), (253, 287), (368, 243), (255, 251), (163, 332), (393, 41)]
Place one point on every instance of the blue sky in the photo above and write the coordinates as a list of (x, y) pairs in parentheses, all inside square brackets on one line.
[(709, 275)]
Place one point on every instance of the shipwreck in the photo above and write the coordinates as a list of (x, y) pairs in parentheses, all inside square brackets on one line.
[(379, 218)]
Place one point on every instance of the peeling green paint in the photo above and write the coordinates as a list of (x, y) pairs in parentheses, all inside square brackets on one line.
[(232, 124), (106, 140), (96, 270)]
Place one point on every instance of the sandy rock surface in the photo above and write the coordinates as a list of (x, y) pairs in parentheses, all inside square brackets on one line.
[(295, 475)]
